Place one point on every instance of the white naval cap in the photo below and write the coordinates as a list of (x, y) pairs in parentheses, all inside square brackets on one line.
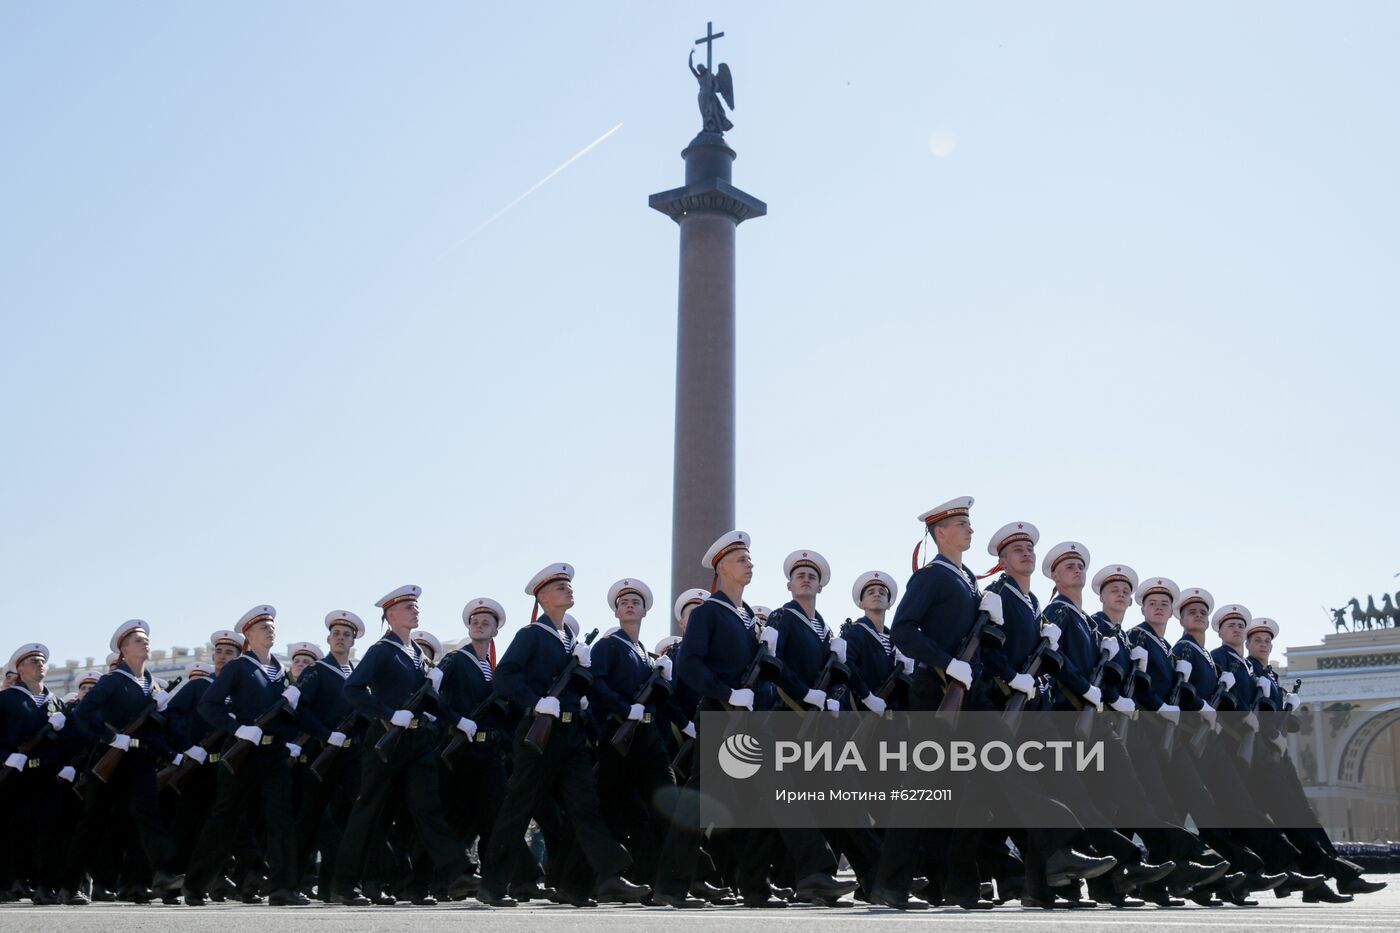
[(1010, 533), (1155, 585), (761, 613), (308, 648), (1226, 613), (870, 578), (405, 592), (263, 613), (347, 618), (1261, 624), (428, 641), (226, 637), (125, 629), (807, 558), (88, 677), (724, 544), (1062, 552), (1193, 594), (696, 595), (636, 587), (113, 659), (197, 669), (70, 698), (548, 574), (666, 644), (25, 652), (571, 624), (1115, 573), (959, 506), (484, 604)]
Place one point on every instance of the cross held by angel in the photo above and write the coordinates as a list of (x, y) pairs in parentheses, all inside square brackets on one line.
[(713, 85)]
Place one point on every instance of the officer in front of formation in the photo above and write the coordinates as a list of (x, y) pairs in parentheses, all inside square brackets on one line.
[(382, 689)]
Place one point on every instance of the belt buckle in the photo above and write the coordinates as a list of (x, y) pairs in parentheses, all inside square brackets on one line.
[(32, 763), (214, 757), (265, 740), (480, 736), (135, 743), (413, 723), (646, 717), (566, 716), (347, 743)]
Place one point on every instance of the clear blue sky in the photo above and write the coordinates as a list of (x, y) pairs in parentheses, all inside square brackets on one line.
[(1127, 271)]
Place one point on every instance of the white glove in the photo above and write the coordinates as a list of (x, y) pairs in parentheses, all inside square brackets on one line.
[(467, 726), (547, 706), (1281, 744), (665, 666), (960, 671), (1209, 712), (1024, 683), (1052, 632), (1093, 696), (16, 761), (162, 698), (435, 676), (905, 660), (742, 697), (991, 605), (769, 636), (293, 750), (292, 695), (249, 734), (1252, 721), (583, 704), (179, 757), (67, 774), (636, 711), (337, 739), (1183, 667), (1123, 705), (197, 753), (838, 648), (1292, 701), (833, 706), (1171, 711), (874, 704), (584, 654), (1139, 656), (1228, 680), (815, 699), (122, 741), (1110, 645), (57, 721), (1264, 684), (689, 729)]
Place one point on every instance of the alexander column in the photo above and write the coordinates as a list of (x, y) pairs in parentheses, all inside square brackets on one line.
[(709, 210)]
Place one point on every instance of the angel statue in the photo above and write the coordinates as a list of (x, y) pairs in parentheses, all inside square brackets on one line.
[(713, 86)]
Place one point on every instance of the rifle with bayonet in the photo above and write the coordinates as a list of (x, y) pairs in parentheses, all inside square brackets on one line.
[(654, 689), (953, 690), (1044, 656), (107, 765)]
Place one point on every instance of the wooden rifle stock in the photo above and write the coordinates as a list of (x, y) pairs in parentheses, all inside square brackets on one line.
[(1016, 704), (394, 734), (240, 749), (954, 691), (322, 765), (107, 764), (542, 727), (1084, 723), (627, 732), (453, 750)]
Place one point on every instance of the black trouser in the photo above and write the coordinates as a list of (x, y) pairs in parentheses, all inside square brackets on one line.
[(637, 792), (563, 770), (132, 789), (265, 774), (410, 775), (193, 805), (325, 811), (40, 816)]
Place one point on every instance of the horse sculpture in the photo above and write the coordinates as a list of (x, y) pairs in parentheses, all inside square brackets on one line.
[(1358, 615), (1390, 611)]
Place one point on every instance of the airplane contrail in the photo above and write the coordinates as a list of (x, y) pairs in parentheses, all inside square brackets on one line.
[(537, 185)]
